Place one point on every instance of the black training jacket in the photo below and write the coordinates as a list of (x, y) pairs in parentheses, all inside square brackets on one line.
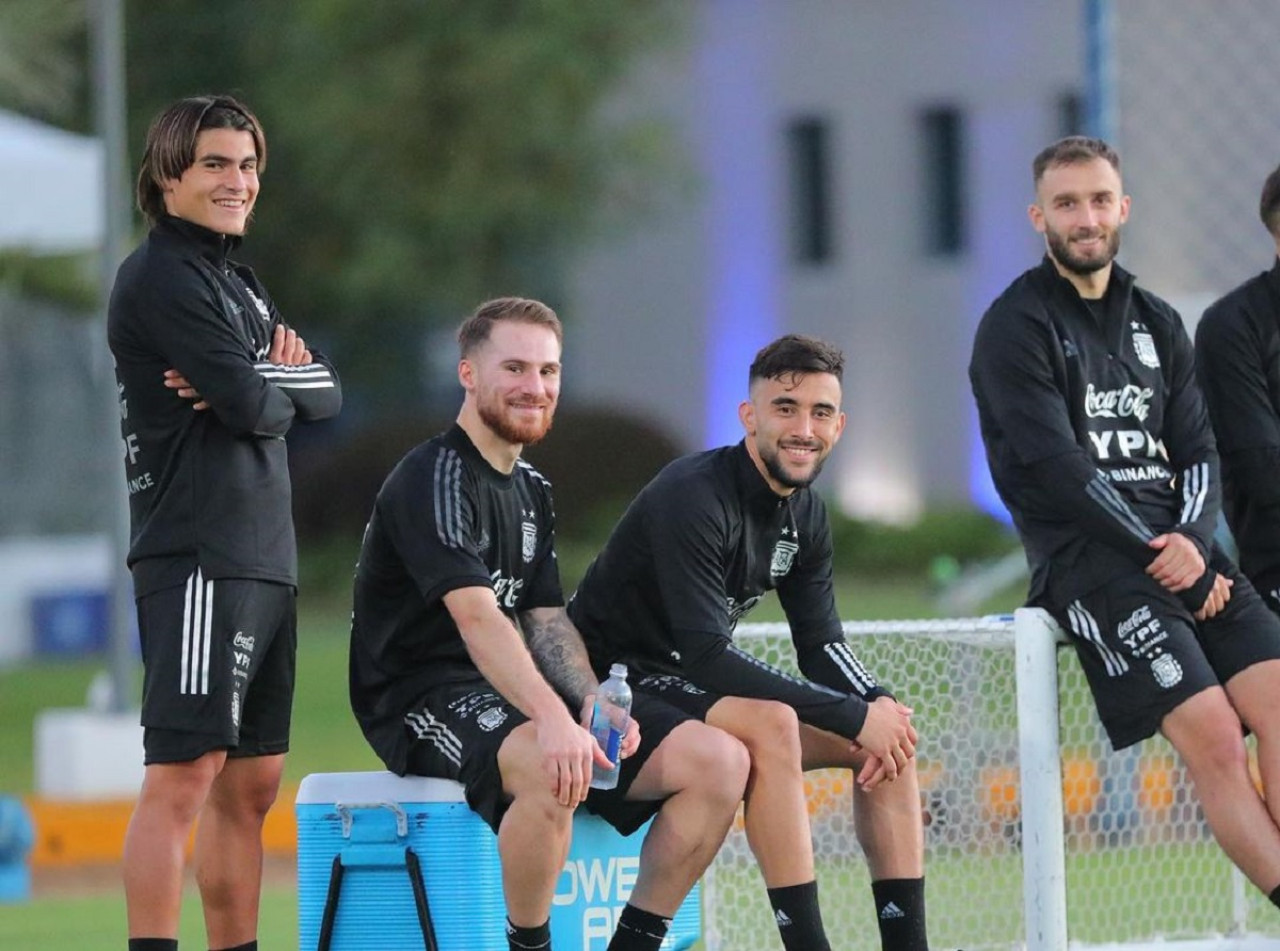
[(1095, 431), (444, 519), (210, 488), (1238, 365), (696, 550)]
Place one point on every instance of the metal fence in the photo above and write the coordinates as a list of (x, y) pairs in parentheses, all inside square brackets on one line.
[(57, 471), (1188, 90)]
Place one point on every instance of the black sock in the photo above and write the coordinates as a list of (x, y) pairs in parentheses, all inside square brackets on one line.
[(795, 911), (247, 946), (900, 912), (1275, 896), (153, 944), (639, 930), (537, 938)]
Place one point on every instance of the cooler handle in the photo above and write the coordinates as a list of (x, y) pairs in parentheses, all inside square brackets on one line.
[(414, 870), (345, 809)]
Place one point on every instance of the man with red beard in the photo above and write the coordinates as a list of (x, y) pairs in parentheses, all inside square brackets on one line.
[(701, 545), (465, 666), (1099, 444)]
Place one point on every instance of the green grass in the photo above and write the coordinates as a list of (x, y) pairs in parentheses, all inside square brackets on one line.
[(975, 897), (97, 923)]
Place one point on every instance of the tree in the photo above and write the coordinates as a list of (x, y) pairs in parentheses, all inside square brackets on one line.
[(43, 60), (423, 155)]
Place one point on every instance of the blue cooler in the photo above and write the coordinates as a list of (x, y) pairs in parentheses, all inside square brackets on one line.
[(395, 863)]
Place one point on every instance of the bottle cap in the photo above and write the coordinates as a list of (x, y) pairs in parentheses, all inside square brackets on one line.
[(618, 670)]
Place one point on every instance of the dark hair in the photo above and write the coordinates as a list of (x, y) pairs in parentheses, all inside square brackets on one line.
[(796, 355), (171, 144), (1269, 206), (475, 329), (1073, 150)]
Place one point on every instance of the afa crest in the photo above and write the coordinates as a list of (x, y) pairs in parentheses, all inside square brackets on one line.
[(1145, 347), (528, 541), (784, 556), (1166, 670)]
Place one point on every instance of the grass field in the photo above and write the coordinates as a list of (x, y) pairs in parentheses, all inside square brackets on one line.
[(963, 884), (96, 922)]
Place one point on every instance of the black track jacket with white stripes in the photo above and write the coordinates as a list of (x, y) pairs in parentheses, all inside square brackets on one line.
[(1238, 365), (444, 519), (697, 549), (1095, 430), (207, 488)]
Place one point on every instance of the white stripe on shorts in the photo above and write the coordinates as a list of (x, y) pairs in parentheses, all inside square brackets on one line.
[(197, 635), (1084, 625), (427, 727)]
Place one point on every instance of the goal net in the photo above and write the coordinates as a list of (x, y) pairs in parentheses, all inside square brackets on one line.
[(1123, 831)]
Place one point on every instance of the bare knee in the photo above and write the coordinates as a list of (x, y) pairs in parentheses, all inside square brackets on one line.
[(718, 764), (772, 735), (1207, 733), (258, 796), (179, 789), (526, 782), (246, 789)]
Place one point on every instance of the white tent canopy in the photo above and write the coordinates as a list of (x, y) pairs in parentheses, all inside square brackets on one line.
[(50, 188)]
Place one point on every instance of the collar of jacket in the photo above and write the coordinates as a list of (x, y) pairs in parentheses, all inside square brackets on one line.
[(211, 245), (755, 490), (1119, 287)]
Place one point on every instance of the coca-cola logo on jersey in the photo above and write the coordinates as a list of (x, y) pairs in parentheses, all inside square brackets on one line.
[(1131, 400)]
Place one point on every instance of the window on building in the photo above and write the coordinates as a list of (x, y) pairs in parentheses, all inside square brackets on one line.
[(1070, 114), (809, 156), (942, 136)]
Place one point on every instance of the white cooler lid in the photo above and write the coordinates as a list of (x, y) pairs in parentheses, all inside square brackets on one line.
[(377, 786)]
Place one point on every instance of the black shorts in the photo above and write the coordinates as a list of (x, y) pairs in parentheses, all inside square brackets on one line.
[(676, 691), (218, 668), (457, 732), (1144, 654)]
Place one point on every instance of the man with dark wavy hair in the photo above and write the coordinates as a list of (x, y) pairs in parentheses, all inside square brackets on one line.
[(210, 379), (697, 549)]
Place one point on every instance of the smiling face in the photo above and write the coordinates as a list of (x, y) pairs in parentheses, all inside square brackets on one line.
[(219, 188), (792, 422), (1080, 209), (513, 381)]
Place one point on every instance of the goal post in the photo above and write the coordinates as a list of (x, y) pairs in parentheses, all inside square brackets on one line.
[(1044, 884), (1038, 835)]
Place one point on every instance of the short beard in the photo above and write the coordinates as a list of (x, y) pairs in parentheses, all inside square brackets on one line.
[(1060, 248), (774, 467), (529, 434)]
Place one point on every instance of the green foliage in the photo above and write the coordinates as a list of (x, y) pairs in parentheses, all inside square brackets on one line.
[(423, 156), (334, 485), (44, 60), (596, 461), (58, 278), (875, 548)]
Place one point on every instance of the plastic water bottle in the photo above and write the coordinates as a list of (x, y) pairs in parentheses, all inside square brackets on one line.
[(609, 724)]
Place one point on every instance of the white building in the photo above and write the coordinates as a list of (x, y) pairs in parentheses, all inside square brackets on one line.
[(860, 170)]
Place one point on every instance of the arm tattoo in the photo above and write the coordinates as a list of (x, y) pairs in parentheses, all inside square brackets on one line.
[(558, 651)]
